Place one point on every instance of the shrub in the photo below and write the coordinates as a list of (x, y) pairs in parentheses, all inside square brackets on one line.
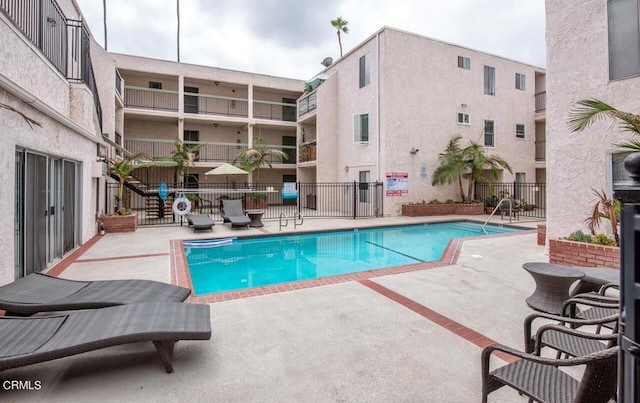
[(600, 239), (579, 236)]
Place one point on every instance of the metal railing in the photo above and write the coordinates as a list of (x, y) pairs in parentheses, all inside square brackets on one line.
[(541, 150), (274, 111), (308, 152), (307, 104), (530, 197), (118, 83), (541, 101), (150, 98), (218, 105), (64, 42), (340, 199)]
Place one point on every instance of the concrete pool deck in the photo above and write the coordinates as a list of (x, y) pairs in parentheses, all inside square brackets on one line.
[(412, 336)]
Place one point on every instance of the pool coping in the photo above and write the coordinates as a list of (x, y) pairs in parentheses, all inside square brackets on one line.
[(180, 272)]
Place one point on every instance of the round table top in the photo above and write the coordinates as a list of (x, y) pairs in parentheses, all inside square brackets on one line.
[(553, 270), (254, 211)]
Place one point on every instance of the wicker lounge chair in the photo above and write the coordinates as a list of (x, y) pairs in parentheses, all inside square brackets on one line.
[(39, 293), (233, 212), (200, 222), (540, 378), (27, 341)]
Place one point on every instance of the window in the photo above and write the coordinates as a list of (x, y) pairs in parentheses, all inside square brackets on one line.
[(464, 62), (463, 118), (365, 71), (624, 38), (364, 194), (155, 85), (519, 131), (489, 133), (520, 81), (361, 128), (489, 80)]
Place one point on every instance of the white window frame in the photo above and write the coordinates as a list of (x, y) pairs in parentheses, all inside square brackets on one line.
[(357, 128), (464, 63), (489, 80), (521, 82), (364, 71), (462, 120), (524, 133), (493, 134)]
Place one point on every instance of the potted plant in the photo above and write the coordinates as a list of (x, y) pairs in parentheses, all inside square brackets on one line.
[(257, 201), (123, 219), (257, 156), (490, 203)]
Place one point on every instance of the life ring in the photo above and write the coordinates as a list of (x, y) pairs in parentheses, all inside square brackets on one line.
[(181, 206)]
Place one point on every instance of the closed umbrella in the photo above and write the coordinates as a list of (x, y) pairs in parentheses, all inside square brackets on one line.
[(227, 169)]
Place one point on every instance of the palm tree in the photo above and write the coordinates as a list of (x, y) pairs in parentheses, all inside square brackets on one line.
[(451, 165), (591, 110), (104, 22), (341, 26), (258, 155), (122, 168), (183, 155), (477, 162), (178, 30), (469, 163)]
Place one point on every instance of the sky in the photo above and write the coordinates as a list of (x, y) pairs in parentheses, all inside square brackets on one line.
[(290, 38)]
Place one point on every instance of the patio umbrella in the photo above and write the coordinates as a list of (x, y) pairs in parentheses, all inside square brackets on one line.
[(227, 169)]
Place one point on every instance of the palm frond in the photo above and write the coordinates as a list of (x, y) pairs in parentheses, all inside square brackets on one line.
[(591, 110)]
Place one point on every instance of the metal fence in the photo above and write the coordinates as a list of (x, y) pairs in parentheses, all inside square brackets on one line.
[(530, 197), (340, 199)]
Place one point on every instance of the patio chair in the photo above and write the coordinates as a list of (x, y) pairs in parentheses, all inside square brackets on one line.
[(542, 380), (233, 212), (504, 209), (39, 292), (289, 193), (563, 336), (200, 222), (593, 305), (27, 341)]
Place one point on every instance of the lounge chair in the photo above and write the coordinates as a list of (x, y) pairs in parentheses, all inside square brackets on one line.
[(289, 193), (200, 222), (39, 293), (27, 341), (233, 212), (541, 379)]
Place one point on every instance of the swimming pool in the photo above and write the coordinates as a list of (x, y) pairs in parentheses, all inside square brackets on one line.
[(235, 264)]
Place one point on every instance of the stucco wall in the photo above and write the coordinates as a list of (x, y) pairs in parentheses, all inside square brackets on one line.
[(577, 69)]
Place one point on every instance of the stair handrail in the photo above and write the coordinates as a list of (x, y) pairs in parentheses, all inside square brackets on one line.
[(286, 221), (295, 219), (496, 209)]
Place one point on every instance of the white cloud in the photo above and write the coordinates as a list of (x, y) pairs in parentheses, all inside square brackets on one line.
[(290, 38)]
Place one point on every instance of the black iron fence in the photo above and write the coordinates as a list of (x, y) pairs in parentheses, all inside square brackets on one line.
[(530, 197), (340, 199), (64, 42)]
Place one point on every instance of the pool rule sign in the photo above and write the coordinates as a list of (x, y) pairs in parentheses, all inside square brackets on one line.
[(397, 184)]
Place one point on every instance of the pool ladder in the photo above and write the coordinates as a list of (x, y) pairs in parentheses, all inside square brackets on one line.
[(494, 212), (297, 216)]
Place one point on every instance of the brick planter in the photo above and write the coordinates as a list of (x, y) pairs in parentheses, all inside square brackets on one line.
[(418, 210), (542, 234), (119, 223), (572, 253)]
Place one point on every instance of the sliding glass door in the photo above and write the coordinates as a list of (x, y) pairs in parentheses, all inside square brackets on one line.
[(47, 191)]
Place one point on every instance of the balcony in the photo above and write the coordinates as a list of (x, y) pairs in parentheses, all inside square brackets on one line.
[(541, 101), (308, 152), (307, 104), (274, 111), (150, 98), (541, 150)]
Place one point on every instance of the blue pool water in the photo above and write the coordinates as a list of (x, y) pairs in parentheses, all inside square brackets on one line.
[(255, 262)]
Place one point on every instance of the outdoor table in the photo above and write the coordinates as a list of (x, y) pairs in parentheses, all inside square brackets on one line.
[(256, 218), (552, 285)]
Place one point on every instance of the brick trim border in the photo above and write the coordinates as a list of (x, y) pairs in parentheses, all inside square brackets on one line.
[(570, 253)]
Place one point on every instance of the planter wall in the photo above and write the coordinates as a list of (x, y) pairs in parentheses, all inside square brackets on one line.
[(418, 210), (119, 223), (570, 253), (256, 204)]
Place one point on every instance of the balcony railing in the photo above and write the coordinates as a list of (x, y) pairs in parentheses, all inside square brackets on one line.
[(216, 105), (118, 83), (307, 104), (274, 111), (541, 101), (64, 42), (308, 152), (541, 150), (150, 98)]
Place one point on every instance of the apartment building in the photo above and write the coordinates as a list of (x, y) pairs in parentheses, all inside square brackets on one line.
[(386, 110), (592, 52), (50, 123)]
